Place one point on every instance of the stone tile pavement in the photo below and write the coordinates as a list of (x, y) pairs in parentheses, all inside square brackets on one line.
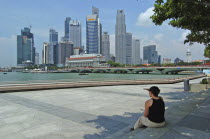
[(100, 112)]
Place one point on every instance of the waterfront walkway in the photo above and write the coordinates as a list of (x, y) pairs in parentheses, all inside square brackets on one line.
[(101, 112)]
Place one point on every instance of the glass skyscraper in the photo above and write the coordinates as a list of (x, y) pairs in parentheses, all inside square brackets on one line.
[(150, 54), (106, 46), (136, 52), (120, 38), (75, 33), (53, 42), (129, 48), (93, 32), (66, 28), (25, 47)]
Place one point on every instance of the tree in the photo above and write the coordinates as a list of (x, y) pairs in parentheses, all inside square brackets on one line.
[(193, 15)]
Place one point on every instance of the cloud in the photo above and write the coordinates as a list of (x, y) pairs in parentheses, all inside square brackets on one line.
[(158, 37), (8, 51), (144, 18), (183, 36)]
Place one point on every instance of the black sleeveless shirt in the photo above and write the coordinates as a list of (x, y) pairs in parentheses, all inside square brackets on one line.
[(157, 111)]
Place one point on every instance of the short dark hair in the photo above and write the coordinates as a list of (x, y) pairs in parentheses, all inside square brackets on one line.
[(154, 90)]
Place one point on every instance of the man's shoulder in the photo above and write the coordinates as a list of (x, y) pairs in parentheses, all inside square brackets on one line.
[(149, 102)]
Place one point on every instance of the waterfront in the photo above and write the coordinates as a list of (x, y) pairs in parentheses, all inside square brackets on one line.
[(16, 77)]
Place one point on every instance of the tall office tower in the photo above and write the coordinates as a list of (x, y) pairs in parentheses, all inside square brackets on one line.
[(93, 33), (136, 52), (66, 29), (189, 57), (65, 51), (45, 53), (53, 42), (25, 47), (150, 54), (120, 38), (36, 58), (129, 48), (106, 46), (76, 33), (159, 59), (95, 10)]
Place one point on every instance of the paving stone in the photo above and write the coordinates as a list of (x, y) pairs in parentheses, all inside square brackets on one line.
[(195, 122)]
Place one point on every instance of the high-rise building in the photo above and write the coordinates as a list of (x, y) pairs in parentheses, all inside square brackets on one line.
[(150, 54), (75, 33), (189, 57), (93, 32), (36, 58), (65, 51), (129, 48), (25, 47), (105, 49), (120, 38), (45, 53), (159, 59), (95, 10), (66, 28), (136, 60), (53, 41)]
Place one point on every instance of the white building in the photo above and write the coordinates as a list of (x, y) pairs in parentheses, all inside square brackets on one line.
[(166, 60), (189, 56), (86, 60)]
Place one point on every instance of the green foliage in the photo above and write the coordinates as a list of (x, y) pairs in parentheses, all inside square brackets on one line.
[(193, 15), (204, 81)]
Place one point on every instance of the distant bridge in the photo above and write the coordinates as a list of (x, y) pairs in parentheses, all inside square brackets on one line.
[(137, 70)]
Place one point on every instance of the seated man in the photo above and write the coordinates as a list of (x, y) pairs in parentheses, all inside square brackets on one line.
[(154, 111)]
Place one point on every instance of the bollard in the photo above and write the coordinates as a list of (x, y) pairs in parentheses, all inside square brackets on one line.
[(186, 85)]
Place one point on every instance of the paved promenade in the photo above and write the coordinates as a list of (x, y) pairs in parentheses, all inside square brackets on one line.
[(101, 112)]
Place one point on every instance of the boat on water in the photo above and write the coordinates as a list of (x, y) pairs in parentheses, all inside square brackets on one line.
[(83, 74), (5, 73)]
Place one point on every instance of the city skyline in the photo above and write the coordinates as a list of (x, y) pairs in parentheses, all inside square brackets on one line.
[(137, 22)]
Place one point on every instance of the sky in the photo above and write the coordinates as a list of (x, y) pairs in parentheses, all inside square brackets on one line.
[(45, 14)]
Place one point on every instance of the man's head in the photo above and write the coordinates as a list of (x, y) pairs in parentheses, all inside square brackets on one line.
[(154, 91)]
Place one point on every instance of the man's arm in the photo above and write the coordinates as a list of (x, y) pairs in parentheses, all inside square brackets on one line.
[(148, 103)]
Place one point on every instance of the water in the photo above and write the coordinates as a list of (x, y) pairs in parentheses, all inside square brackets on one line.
[(17, 77)]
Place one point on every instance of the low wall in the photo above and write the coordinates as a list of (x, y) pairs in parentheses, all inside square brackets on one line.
[(198, 87)]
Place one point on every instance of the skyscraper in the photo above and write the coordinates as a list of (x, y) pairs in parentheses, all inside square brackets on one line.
[(150, 54), (36, 58), (129, 48), (93, 32), (52, 41), (65, 51), (120, 38), (75, 33), (136, 52), (106, 46), (25, 47), (45, 53), (66, 28), (189, 57), (95, 10)]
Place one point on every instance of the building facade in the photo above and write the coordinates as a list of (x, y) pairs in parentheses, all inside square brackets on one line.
[(189, 56), (166, 60), (136, 52), (66, 29), (53, 42), (86, 60), (120, 38), (45, 53), (25, 47), (129, 48), (65, 51), (150, 54), (178, 60), (36, 58), (75, 33), (93, 32), (105, 49)]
